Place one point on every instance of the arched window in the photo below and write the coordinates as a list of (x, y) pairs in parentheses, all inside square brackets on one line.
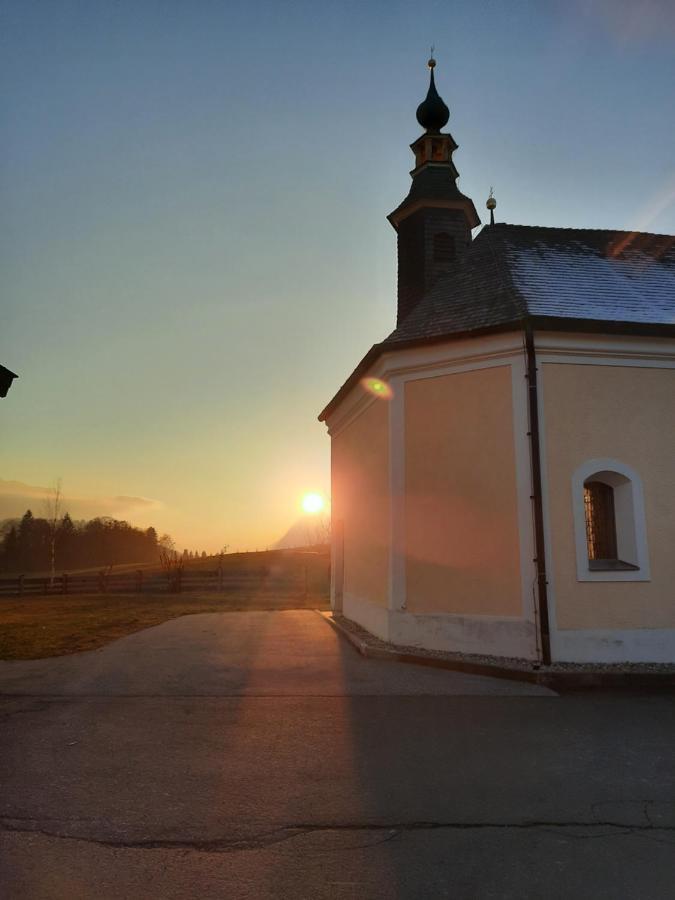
[(600, 521), (444, 250), (609, 522)]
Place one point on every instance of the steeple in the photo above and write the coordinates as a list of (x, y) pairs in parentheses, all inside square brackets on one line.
[(434, 221), (432, 113)]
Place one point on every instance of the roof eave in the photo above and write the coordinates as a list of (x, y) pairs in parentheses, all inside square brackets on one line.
[(408, 207), (541, 323), (378, 350), (602, 326)]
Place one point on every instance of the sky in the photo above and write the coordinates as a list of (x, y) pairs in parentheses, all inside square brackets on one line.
[(194, 248)]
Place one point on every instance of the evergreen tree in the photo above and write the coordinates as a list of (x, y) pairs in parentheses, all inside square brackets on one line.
[(10, 549), (26, 542), (26, 547), (66, 543)]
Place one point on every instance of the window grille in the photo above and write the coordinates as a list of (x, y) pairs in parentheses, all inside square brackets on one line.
[(600, 520), (610, 532)]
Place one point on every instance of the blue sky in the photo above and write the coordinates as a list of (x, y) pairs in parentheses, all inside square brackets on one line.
[(195, 251)]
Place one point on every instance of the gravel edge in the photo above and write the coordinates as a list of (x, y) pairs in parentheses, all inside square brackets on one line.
[(502, 663)]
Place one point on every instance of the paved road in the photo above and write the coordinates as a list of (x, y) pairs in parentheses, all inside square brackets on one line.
[(256, 755)]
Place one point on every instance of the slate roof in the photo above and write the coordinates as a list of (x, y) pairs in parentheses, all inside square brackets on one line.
[(514, 272), (562, 278)]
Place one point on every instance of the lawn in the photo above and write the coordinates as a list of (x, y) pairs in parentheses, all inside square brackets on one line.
[(33, 627)]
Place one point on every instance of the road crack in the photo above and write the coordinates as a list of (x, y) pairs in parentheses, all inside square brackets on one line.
[(384, 831)]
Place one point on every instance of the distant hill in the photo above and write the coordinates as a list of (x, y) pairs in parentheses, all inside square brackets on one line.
[(308, 531), (254, 559), (315, 557)]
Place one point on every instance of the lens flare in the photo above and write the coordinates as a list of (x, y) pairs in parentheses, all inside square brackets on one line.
[(313, 503), (377, 387)]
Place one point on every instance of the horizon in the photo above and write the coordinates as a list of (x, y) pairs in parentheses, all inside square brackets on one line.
[(197, 253), (309, 528)]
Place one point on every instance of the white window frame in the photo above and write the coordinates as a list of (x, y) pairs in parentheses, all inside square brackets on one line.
[(629, 508)]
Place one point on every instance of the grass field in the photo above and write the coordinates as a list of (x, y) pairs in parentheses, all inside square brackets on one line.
[(39, 626)]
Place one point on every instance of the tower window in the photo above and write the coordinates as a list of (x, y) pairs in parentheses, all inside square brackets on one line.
[(444, 249)]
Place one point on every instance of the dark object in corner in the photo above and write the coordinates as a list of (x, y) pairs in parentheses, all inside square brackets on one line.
[(6, 379)]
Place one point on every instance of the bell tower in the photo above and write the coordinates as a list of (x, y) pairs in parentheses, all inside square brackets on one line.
[(434, 222)]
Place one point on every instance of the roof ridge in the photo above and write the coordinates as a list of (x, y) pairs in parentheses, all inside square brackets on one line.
[(500, 225)]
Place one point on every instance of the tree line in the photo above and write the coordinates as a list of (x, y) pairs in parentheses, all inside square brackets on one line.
[(27, 545)]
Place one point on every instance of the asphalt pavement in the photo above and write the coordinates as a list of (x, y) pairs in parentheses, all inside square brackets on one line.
[(258, 755)]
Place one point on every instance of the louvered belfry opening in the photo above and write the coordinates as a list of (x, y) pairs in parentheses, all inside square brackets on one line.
[(444, 251), (600, 520)]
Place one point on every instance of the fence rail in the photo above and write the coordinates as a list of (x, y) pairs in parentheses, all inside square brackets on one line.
[(305, 581)]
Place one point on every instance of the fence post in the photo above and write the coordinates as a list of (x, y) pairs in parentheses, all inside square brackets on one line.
[(45, 585), (64, 583), (101, 582), (20, 580), (139, 581), (220, 578)]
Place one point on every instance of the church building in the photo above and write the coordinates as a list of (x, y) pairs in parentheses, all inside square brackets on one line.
[(503, 463)]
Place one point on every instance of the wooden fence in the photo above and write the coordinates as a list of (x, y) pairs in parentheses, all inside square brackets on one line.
[(300, 581)]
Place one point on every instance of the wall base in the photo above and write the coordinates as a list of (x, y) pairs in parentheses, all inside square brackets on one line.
[(648, 645), (492, 635), (370, 616)]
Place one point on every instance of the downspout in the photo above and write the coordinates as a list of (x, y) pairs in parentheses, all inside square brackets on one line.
[(538, 509)]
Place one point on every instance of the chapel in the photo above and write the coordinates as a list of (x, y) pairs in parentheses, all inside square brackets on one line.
[(503, 462)]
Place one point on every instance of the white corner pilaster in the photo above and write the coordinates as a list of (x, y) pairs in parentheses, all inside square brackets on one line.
[(397, 573)]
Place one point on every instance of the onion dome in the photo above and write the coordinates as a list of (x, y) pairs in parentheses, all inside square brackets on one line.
[(432, 113)]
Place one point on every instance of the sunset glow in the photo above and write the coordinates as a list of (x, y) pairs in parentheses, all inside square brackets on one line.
[(313, 503), (199, 417)]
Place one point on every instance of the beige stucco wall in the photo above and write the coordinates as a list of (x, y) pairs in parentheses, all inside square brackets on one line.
[(360, 499), (462, 545), (625, 413)]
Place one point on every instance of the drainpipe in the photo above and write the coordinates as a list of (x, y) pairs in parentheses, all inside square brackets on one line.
[(538, 509)]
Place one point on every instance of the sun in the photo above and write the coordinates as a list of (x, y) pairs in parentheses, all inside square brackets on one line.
[(313, 503)]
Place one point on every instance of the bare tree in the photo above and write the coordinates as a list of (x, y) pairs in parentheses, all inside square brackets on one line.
[(171, 562), (317, 530), (167, 547), (52, 505)]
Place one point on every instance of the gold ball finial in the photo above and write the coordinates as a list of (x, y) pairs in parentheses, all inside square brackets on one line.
[(491, 202), (432, 61)]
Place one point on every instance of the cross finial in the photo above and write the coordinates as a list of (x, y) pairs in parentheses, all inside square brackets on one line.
[(491, 205)]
